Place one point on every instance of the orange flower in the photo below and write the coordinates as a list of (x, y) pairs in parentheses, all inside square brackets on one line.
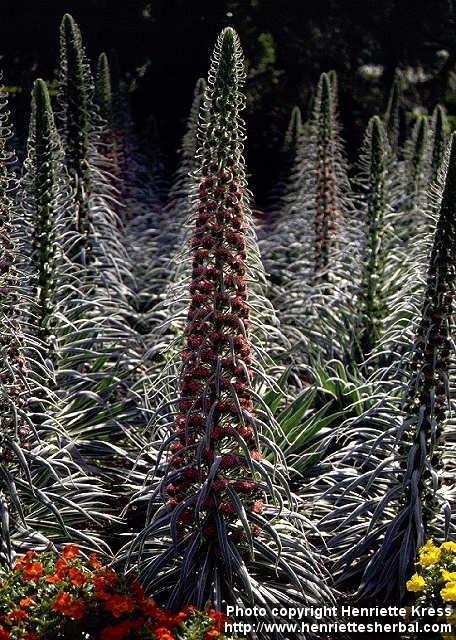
[(162, 633), (23, 561), (61, 566), (65, 604), (149, 607), (167, 619), (26, 602), (95, 563), (60, 569), (70, 551), (4, 635), (109, 575), (74, 610), (76, 577), (212, 633), (17, 614), (218, 617), (118, 604), (33, 571), (100, 584), (62, 600)]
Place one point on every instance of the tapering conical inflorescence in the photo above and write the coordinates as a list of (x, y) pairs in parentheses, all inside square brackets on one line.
[(182, 180), (216, 438), (393, 114), (439, 130), (217, 484), (103, 88), (326, 206), (293, 133), (282, 190), (13, 365), (427, 399), (109, 143), (8, 272), (415, 180), (371, 293), (179, 206), (419, 500), (417, 163), (41, 191), (76, 101)]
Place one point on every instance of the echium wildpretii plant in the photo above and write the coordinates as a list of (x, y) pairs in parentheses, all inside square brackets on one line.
[(394, 113), (76, 102), (175, 230), (312, 248), (326, 190), (45, 196), (81, 129), (278, 197), (427, 399), (409, 491), (180, 189), (104, 97), (372, 303), (292, 134), (326, 198), (416, 175), (24, 488), (439, 134), (326, 219), (218, 489), (103, 88), (267, 339), (13, 368), (101, 249)]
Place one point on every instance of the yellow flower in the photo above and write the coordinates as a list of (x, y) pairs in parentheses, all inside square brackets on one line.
[(449, 546), (429, 554), (428, 546), (448, 575), (448, 593), (416, 583)]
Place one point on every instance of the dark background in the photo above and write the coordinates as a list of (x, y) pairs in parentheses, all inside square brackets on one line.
[(164, 46)]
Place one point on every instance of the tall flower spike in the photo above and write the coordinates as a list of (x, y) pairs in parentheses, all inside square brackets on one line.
[(103, 88), (439, 133), (426, 437), (216, 481), (313, 243), (90, 168), (416, 168), (371, 297), (180, 189), (109, 143), (174, 232), (13, 365), (76, 98), (392, 117), (293, 133), (41, 189), (278, 196), (326, 218)]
